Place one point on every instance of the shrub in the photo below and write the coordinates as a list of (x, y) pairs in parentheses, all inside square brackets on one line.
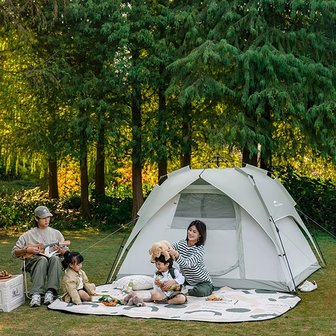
[(314, 196), (17, 211), (110, 211)]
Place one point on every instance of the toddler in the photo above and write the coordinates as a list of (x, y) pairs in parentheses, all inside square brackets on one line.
[(167, 283), (75, 283)]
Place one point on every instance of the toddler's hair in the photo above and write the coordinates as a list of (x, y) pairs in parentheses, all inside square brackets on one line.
[(162, 259), (71, 258)]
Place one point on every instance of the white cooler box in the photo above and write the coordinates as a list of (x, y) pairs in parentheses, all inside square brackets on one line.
[(11, 293)]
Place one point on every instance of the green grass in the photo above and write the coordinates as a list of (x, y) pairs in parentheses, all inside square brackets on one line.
[(11, 187), (314, 315)]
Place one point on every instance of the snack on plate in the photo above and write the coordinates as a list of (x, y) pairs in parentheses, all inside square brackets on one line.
[(109, 303), (5, 275), (108, 300), (214, 298)]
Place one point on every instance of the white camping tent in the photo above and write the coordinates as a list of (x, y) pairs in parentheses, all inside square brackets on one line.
[(256, 239)]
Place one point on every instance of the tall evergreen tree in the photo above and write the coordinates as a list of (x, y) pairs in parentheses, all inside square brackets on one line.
[(163, 53), (187, 33), (29, 101), (271, 62), (87, 39), (142, 79)]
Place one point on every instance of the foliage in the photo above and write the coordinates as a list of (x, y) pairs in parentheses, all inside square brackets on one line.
[(315, 197), (68, 177), (270, 62), (110, 212), (17, 211), (205, 77)]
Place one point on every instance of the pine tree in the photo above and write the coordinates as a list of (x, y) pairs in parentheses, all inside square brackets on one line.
[(271, 61), (88, 40)]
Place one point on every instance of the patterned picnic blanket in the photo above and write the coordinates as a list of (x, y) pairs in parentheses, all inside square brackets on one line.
[(232, 305)]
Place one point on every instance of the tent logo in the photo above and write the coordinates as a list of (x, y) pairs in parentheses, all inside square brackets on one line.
[(277, 204)]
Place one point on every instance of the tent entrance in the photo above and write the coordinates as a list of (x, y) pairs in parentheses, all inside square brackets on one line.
[(220, 213)]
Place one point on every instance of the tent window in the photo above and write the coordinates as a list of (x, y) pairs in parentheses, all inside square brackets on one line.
[(205, 205)]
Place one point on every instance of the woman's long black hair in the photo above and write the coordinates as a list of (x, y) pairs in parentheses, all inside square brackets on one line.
[(201, 228)]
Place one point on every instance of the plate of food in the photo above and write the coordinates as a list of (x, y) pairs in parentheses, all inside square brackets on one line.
[(214, 298), (5, 275)]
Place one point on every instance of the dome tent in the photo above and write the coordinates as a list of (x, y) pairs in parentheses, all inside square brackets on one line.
[(255, 237)]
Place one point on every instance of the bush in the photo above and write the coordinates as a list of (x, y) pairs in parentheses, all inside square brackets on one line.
[(17, 211), (110, 211), (315, 197)]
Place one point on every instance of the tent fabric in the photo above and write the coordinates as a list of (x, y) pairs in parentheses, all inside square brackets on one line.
[(256, 238)]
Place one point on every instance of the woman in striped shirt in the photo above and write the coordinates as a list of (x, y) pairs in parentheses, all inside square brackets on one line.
[(189, 254)]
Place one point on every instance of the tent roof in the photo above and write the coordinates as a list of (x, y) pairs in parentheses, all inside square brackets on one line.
[(240, 184), (161, 194)]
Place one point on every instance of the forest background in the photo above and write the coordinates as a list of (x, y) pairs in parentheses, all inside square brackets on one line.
[(100, 98)]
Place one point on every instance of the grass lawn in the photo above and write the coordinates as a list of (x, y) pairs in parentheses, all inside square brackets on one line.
[(313, 316), (10, 187)]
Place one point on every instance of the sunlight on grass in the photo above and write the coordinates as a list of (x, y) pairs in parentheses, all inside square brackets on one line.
[(10, 187), (5, 242)]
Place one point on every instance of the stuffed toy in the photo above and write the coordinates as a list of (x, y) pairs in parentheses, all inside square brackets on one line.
[(174, 288), (158, 248), (132, 299)]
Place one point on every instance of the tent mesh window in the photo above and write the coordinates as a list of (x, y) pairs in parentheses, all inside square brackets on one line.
[(214, 208)]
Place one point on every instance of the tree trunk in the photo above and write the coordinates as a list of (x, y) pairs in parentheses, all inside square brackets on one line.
[(100, 159), (163, 168), (266, 162), (185, 158), (266, 151), (162, 130), (83, 147), (137, 188), (249, 158), (136, 153), (53, 181)]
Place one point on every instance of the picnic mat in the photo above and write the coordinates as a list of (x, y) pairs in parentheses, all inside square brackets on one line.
[(232, 306)]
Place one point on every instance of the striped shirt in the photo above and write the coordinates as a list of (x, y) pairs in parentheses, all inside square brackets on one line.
[(191, 262)]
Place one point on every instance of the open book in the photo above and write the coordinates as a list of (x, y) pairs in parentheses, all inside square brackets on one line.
[(47, 252)]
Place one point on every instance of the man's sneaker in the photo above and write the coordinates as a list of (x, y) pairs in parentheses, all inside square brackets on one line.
[(36, 300), (48, 298)]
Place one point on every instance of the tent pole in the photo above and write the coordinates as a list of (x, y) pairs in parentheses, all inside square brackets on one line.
[(110, 275), (284, 252), (113, 267)]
